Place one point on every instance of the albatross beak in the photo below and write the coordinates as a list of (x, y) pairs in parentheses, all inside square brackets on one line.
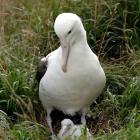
[(64, 130), (65, 54)]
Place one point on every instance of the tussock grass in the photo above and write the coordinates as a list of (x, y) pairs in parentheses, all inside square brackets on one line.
[(27, 34)]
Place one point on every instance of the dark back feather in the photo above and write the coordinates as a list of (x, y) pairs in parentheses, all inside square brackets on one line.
[(41, 69)]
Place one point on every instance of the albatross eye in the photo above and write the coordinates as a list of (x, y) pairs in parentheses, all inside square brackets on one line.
[(68, 127), (69, 32)]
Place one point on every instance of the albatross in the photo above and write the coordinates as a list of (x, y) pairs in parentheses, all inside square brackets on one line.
[(72, 76)]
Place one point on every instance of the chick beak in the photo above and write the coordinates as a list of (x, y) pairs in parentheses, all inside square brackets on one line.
[(64, 130)]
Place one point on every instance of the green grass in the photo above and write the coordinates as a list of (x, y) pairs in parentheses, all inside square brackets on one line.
[(27, 34)]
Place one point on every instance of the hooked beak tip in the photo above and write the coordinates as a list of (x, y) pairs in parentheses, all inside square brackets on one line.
[(64, 68)]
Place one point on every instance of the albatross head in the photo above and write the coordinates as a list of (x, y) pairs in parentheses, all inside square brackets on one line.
[(66, 125), (69, 30)]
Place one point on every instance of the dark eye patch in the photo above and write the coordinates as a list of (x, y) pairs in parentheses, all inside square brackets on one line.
[(69, 32)]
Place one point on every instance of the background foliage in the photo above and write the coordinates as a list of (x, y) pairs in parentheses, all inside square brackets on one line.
[(27, 34)]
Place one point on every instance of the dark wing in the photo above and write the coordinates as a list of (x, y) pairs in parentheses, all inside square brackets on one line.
[(41, 69)]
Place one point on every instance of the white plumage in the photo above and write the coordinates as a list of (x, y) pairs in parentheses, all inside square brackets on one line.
[(74, 76), (73, 132)]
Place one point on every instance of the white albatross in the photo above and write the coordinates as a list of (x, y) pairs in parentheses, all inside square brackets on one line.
[(73, 132), (74, 77)]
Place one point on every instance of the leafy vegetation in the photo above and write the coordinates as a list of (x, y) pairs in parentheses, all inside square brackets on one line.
[(27, 34)]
